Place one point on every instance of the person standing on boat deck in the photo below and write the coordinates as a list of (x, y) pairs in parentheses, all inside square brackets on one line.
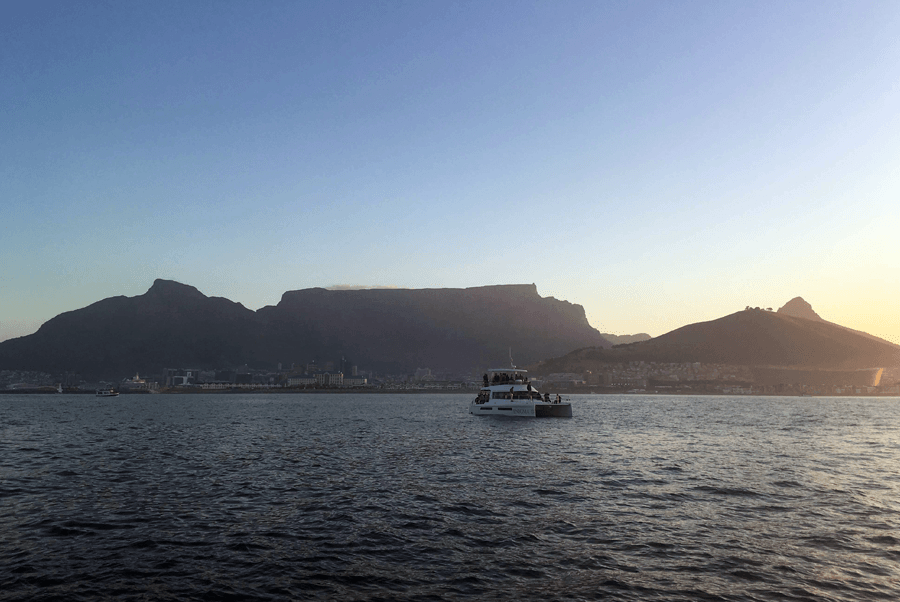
[(511, 392), (558, 398)]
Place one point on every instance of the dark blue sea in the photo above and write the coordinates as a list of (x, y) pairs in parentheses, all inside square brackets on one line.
[(380, 497)]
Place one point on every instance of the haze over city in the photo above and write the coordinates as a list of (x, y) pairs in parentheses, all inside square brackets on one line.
[(659, 164)]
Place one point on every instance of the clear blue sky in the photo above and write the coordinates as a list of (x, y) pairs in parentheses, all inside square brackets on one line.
[(659, 163)]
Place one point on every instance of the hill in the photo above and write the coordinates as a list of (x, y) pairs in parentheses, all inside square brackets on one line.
[(751, 338), (175, 325)]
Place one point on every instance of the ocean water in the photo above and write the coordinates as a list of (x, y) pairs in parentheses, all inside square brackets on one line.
[(380, 497)]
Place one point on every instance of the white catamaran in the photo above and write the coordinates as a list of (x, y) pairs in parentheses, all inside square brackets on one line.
[(508, 392)]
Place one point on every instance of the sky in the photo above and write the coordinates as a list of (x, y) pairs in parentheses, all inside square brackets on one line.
[(658, 163)]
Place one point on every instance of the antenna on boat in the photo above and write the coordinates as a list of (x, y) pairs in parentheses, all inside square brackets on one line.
[(511, 364)]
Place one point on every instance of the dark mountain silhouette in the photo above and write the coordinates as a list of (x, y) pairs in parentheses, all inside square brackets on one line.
[(175, 325), (171, 324), (624, 339), (799, 308), (756, 337), (753, 338), (400, 329)]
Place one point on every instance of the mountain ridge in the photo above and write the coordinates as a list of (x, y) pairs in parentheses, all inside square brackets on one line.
[(175, 325), (752, 337)]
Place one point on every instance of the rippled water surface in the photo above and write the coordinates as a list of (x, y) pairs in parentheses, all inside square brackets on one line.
[(377, 497)]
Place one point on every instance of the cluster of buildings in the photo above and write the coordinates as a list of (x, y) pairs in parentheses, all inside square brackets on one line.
[(703, 378), (327, 375), (246, 378), (641, 375), (305, 376), (26, 379)]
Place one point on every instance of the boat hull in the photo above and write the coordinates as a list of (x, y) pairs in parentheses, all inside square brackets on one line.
[(533, 410), (553, 410)]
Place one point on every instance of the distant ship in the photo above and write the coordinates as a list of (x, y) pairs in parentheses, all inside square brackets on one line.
[(507, 392), (136, 385), (107, 393)]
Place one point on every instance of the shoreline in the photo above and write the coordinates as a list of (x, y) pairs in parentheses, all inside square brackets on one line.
[(427, 392)]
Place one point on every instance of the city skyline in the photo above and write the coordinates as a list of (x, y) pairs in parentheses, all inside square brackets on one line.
[(659, 165)]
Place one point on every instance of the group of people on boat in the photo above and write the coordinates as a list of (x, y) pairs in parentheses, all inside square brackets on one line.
[(502, 378), (513, 378)]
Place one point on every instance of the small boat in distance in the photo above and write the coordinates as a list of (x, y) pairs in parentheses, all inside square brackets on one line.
[(507, 392), (107, 393)]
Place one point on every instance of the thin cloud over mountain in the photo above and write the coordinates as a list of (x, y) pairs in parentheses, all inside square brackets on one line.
[(363, 287)]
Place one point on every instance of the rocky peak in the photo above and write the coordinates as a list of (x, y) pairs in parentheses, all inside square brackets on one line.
[(169, 289), (799, 308)]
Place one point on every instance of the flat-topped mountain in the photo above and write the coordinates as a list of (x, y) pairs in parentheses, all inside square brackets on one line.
[(752, 337), (389, 330), (400, 329)]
